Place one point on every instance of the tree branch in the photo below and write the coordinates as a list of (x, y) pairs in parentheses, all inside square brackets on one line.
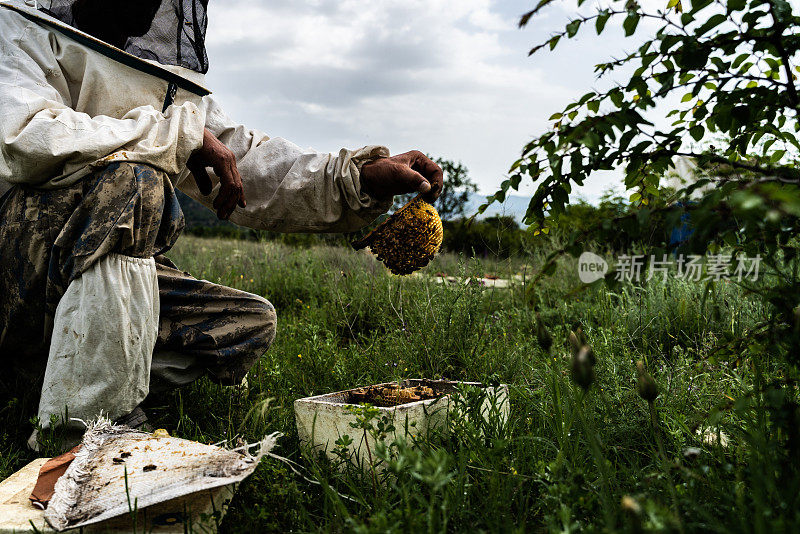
[(786, 175), (787, 66)]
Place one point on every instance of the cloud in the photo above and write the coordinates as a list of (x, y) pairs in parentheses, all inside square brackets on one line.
[(449, 77)]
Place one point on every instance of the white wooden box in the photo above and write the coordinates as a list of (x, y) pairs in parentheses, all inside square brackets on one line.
[(323, 419)]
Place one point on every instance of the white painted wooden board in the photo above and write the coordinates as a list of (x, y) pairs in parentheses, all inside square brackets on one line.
[(17, 513)]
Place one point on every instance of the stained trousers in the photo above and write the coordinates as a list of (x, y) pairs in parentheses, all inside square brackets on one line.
[(49, 238)]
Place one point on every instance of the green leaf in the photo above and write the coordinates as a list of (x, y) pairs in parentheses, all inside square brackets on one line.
[(720, 64), (739, 59), (687, 97), (736, 5), (776, 156), (602, 18), (631, 22), (573, 27), (555, 116), (616, 98), (741, 114), (711, 23), (697, 132)]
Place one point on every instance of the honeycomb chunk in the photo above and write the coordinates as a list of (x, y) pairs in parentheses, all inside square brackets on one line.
[(409, 239)]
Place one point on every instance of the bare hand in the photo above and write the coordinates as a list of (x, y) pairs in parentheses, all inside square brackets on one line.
[(405, 173), (216, 155)]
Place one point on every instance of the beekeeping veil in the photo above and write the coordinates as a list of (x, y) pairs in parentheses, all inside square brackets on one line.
[(170, 32)]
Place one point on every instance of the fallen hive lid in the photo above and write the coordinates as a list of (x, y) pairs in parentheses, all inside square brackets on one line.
[(158, 469)]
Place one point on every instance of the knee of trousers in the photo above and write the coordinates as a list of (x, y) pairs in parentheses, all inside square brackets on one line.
[(261, 324), (265, 322)]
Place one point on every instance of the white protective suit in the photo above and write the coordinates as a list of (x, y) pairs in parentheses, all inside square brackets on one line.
[(70, 104)]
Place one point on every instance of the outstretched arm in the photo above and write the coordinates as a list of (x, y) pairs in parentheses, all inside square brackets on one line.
[(288, 189)]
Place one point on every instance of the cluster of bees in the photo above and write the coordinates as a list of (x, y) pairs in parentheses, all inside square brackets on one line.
[(391, 395)]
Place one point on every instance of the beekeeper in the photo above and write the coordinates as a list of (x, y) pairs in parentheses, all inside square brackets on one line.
[(103, 114)]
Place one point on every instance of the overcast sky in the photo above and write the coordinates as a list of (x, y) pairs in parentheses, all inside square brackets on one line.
[(449, 77)]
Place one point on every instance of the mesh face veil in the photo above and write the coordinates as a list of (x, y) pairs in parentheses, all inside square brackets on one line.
[(170, 32)]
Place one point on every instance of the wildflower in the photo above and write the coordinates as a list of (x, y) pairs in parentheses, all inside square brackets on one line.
[(692, 453), (590, 354), (583, 369), (711, 437), (630, 505), (645, 385), (574, 343), (299, 355), (633, 510), (542, 335)]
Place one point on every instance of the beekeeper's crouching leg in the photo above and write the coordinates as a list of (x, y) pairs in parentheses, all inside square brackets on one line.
[(93, 293), (207, 329)]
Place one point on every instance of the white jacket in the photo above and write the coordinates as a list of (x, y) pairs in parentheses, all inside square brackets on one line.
[(70, 103)]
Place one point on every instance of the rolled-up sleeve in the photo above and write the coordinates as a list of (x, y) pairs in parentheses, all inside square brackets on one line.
[(289, 189)]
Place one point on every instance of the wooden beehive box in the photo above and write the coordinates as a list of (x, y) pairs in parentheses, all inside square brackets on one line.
[(323, 419)]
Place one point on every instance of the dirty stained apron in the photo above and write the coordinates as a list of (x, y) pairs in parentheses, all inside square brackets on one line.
[(48, 239)]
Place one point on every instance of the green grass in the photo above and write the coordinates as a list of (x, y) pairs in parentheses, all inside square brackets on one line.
[(565, 460)]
